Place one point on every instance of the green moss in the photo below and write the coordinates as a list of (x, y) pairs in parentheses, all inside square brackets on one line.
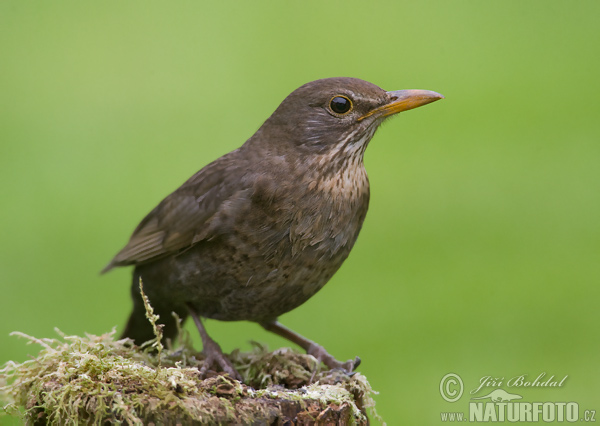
[(92, 379), (95, 379)]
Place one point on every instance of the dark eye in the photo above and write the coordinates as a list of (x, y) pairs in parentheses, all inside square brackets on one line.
[(340, 105)]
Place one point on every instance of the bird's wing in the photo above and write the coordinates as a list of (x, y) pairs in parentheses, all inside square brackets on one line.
[(183, 218)]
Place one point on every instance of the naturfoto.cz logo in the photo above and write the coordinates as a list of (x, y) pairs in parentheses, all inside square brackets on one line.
[(499, 405)]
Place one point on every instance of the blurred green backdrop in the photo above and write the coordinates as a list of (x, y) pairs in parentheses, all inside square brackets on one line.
[(480, 252)]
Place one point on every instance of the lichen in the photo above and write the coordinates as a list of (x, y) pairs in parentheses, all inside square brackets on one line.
[(94, 379), (98, 379)]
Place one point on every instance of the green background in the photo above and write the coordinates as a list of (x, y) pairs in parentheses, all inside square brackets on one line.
[(480, 252)]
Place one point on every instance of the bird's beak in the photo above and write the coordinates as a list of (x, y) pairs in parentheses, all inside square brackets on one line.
[(403, 100)]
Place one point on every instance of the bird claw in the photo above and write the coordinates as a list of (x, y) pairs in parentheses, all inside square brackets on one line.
[(323, 356), (214, 358), (352, 365)]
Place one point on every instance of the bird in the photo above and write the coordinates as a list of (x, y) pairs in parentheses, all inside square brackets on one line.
[(260, 230)]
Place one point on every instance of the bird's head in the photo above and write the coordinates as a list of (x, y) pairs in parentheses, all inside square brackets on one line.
[(338, 115)]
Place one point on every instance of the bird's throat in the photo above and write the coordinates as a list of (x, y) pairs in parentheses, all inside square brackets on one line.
[(343, 175)]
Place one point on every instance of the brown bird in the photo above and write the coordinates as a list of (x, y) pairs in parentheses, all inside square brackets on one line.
[(260, 230)]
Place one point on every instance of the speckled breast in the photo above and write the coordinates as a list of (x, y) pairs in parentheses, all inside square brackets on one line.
[(276, 256)]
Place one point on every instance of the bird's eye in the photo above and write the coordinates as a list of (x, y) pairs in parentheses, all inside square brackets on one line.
[(340, 105)]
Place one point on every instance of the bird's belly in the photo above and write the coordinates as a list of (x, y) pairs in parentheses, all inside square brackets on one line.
[(226, 283)]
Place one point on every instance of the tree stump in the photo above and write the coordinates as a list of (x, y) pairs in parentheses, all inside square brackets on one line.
[(97, 379)]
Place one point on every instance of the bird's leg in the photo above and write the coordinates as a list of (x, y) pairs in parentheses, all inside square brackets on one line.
[(310, 347), (212, 351)]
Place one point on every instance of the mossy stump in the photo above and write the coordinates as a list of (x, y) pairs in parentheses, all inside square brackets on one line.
[(99, 380)]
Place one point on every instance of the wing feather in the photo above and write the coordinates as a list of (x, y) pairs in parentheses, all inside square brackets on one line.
[(184, 217)]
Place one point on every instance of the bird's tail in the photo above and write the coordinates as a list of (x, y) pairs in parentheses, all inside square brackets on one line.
[(139, 328)]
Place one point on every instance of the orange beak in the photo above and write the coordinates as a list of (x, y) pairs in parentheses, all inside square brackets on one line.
[(403, 100)]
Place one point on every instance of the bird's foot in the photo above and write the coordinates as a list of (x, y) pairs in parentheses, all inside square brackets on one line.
[(213, 355), (323, 356), (214, 358)]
